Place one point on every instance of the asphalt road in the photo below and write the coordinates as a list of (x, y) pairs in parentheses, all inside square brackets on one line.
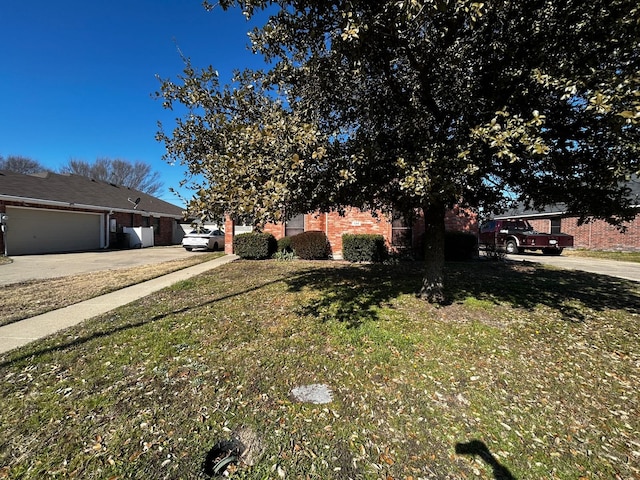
[(37, 267), (626, 270)]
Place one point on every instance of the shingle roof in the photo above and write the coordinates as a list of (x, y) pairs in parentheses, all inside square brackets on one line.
[(561, 208), (80, 191), (520, 211)]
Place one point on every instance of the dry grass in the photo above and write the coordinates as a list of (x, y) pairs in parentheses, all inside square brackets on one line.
[(28, 299)]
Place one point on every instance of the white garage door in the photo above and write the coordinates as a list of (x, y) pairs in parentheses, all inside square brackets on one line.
[(33, 231)]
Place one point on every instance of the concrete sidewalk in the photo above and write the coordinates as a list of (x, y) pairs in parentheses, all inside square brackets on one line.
[(25, 331)]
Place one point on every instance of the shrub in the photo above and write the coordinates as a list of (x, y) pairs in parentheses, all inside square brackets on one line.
[(284, 245), (310, 245), (255, 245), (460, 246), (284, 256), (363, 248)]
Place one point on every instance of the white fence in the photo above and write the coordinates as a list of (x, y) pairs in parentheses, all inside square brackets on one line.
[(139, 237)]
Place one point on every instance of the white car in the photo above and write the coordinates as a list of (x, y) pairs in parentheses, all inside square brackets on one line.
[(203, 238)]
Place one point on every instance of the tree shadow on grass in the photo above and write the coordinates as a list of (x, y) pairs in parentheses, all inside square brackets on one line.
[(354, 294), (100, 331), (348, 294), (573, 293)]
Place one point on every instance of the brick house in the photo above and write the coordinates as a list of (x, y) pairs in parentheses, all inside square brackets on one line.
[(595, 235), (397, 233), (49, 212)]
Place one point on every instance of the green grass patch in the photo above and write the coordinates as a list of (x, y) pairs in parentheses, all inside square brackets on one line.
[(528, 372), (618, 256)]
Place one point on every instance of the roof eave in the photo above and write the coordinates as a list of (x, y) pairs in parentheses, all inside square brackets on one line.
[(531, 215), (56, 203)]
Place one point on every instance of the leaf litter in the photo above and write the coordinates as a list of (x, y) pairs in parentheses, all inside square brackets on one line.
[(143, 392)]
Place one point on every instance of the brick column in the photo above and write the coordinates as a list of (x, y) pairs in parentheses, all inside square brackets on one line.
[(229, 227)]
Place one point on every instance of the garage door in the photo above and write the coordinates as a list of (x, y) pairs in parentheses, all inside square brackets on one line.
[(33, 231)]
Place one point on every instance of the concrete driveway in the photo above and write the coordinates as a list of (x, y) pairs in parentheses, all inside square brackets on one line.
[(32, 267), (626, 270)]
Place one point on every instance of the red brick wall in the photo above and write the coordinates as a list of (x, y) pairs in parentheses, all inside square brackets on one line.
[(461, 220), (228, 236), (165, 236), (161, 237), (315, 222), (599, 235), (542, 225), (596, 235), (276, 229), (356, 221)]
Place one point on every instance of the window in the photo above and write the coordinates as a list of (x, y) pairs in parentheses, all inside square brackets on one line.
[(401, 231), (517, 225), (556, 225), (156, 226), (294, 226), (488, 227)]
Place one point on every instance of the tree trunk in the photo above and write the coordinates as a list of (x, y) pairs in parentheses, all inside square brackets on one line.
[(433, 282)]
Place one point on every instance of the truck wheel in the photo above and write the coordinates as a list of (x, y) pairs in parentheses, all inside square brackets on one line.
[(511, 247)]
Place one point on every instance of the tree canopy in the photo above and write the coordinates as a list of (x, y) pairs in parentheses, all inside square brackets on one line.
[(419, 104), (19, 164), (136, 175)]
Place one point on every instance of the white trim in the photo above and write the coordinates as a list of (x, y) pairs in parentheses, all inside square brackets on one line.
[(104, 232), (530, 215)]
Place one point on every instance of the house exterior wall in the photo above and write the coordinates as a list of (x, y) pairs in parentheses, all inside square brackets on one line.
[(276, 229), (461, 220), (356, 221), (595, 235), (164, 227), (229, 233)]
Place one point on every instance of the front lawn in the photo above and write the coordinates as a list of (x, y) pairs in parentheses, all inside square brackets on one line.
[(605, 255), (34, 297), (529, 373)]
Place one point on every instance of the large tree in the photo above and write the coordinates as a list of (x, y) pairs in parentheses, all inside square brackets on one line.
[(19, 164), (419, 104), (138, 175)]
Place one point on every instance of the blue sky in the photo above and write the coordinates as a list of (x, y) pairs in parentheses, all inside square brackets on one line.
[(77, 76)]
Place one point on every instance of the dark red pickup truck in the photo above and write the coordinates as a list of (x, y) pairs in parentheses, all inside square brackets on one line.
[(518, 236)]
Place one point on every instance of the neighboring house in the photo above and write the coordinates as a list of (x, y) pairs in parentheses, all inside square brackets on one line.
[(49, 212), (595, 235), (398, 234)]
